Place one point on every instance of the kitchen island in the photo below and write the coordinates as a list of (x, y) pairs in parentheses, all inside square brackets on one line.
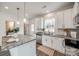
[(25, 46)]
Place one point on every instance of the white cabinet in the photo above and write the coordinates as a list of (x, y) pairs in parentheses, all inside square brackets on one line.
[(46, 41), (68, 20), (58, 44), (60, 19), (65, 18), (27, 49), (37, 23), (61, 45), (54, 43)]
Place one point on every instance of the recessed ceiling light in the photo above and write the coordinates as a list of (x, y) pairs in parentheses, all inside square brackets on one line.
[(6, 7), (48, 15), (47, 11)]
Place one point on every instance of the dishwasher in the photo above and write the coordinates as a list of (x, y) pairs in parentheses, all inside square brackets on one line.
[(39, 37)]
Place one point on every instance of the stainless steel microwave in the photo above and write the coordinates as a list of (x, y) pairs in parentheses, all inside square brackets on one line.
[(76, 19)]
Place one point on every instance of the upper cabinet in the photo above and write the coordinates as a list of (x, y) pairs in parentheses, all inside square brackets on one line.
[(37, 22), (68, 18), (76, 13), (59, 19), (65, 18)]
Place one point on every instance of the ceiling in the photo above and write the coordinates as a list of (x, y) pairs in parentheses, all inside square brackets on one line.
[(33, 8)]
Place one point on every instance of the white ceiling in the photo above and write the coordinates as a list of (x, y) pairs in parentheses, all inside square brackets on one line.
[(33, 8)]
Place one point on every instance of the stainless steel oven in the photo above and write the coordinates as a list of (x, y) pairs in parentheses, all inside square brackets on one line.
[(71, 47), (72, 43)]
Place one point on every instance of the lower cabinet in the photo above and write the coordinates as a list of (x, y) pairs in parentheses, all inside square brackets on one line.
[(58, 44), (46, 41), (27, 49), (55, 43)]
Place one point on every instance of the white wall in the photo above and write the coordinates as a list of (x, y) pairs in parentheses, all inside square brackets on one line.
[(3, 18)]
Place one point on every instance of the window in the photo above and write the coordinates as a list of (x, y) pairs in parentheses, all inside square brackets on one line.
[(49, 24)]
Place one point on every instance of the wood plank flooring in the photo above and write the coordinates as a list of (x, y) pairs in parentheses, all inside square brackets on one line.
[(45, 51)]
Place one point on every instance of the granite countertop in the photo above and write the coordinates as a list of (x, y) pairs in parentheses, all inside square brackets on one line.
[(70, 51), (62, 36), (59, 36), (22, 40)]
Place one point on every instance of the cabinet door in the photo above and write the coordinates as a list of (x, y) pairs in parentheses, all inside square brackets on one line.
[(59, 19), (68, 21), (58, 44), (54, 43), (43, 40), (61, 45), (49, 42), (46, 41), (37, 22)]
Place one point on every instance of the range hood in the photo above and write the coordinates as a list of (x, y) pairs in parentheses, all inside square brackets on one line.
[(76, 8), (76, 13)]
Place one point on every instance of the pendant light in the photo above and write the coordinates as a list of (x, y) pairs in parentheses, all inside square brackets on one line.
[(24, 13), (24, 21), (18, 15)]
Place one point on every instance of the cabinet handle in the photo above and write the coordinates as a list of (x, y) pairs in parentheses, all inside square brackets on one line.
[(74, 21), (63, 43)]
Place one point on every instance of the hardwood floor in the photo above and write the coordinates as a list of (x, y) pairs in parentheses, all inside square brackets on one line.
[(45, 51)]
